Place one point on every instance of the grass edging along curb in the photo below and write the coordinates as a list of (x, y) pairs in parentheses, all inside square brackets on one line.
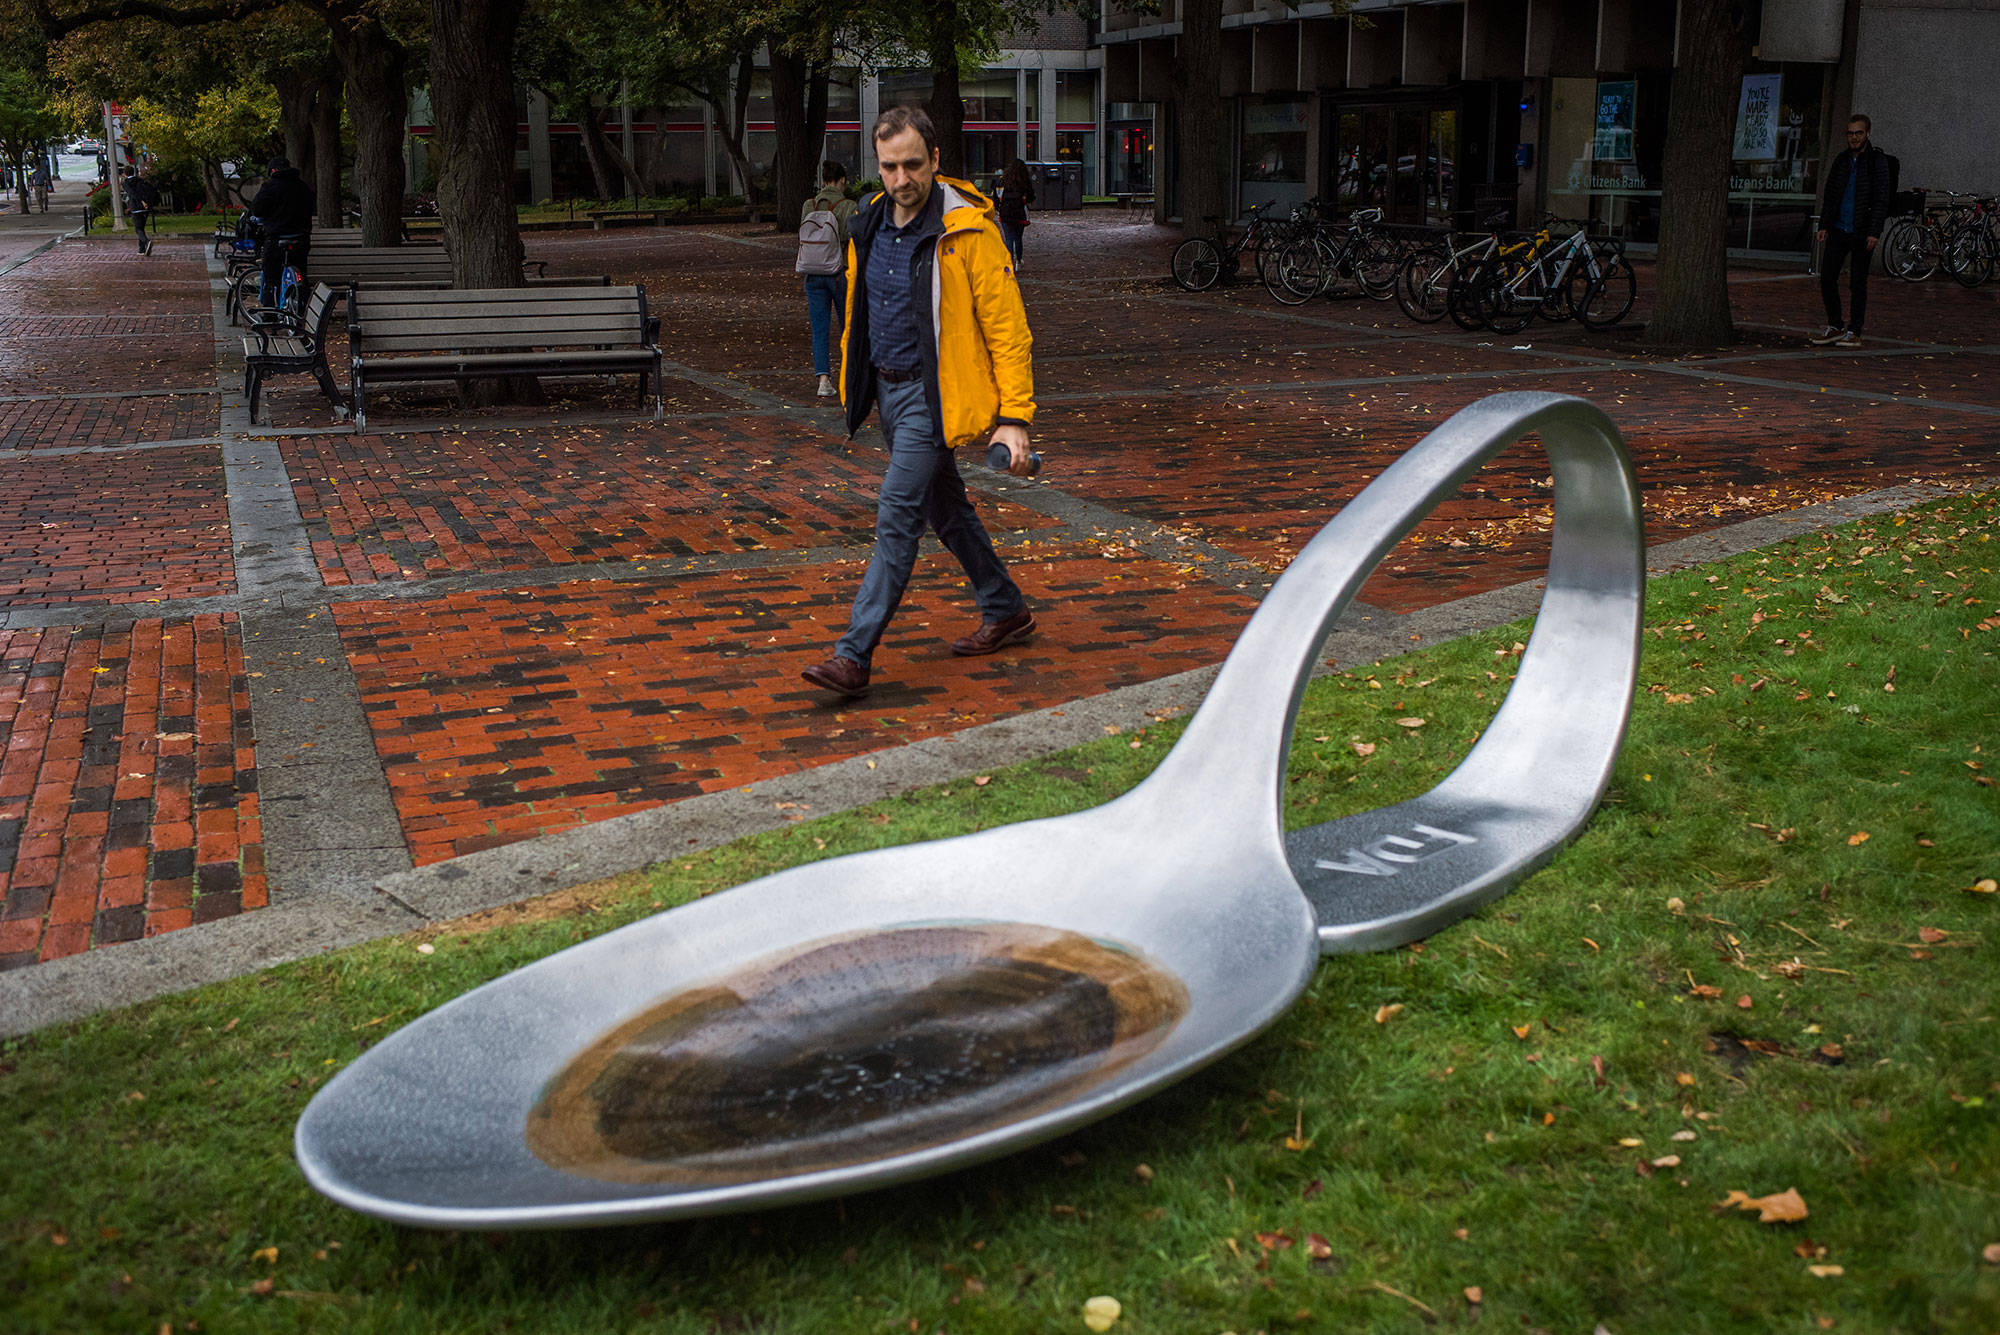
[(1765, 966)]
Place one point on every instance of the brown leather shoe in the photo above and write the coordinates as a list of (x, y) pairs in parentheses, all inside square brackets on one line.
[(993, 636), (843, 676)]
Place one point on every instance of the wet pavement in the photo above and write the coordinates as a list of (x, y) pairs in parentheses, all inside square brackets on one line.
[(244, 662)]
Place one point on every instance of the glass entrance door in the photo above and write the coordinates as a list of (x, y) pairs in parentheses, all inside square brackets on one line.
[(1399, 159)]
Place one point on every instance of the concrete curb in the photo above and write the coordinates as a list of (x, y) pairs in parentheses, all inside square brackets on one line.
[(99, 980)]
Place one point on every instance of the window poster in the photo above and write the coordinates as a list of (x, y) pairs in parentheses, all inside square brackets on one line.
[(1615, 106), (1757, 119)]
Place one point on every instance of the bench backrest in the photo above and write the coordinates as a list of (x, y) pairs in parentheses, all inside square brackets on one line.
[(319, 309), (495, 319)]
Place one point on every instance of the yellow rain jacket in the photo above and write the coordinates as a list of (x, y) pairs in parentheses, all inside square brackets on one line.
[(973, 330)]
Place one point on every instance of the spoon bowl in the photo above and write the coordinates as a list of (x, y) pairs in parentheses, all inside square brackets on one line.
[(887, 1015)]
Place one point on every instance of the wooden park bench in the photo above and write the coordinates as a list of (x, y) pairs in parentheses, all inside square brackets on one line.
[(598, 217), (276, 346), (399, 336), (401, 267)]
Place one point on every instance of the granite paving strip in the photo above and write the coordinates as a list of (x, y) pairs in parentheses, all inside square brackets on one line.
[(84, 984), (330, 825)]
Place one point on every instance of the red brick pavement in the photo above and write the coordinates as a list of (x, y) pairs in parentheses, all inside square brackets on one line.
[(403, 507), (504, 714), (71, 422), (153, 524), (128, 801), (501, 716)]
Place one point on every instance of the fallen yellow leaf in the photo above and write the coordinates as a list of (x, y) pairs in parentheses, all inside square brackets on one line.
[(1101, 1313), (1521, 1030), (1409, 723), (1683, 1078), (1473, 1294), (1363, 748), (269, 1255), (1985, 886), (1858, 837), (1384, 1013), (1667, 1161), (1825, 1271), (1782, 1207)]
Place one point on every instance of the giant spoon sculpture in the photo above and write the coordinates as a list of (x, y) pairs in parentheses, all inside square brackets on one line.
[(889, 1015)]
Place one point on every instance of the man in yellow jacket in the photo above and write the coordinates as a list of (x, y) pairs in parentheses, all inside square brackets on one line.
[(937, 337)]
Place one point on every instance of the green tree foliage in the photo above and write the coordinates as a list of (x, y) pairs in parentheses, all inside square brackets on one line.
[(26, 120), (236, 123)]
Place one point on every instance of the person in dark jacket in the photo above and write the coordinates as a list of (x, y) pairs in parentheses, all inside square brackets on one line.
[(283, 208), (1851, 215), (1017, 191), (141, 198)]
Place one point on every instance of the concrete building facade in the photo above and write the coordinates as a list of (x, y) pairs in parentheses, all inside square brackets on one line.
[(1477, 112)]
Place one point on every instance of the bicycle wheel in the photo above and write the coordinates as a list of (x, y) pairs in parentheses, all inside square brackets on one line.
[(1906, 251), (1197, 264), (1461, 296), (1608, 298), (1507, 299), (1376, 265), (1297, 274), (1422, 284), (1967, 258), (248, 284)]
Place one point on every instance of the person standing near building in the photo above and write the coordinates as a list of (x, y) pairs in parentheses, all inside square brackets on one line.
[(1851, 216), (937, 336), (1017, 191), (823, 235), (141, 198)]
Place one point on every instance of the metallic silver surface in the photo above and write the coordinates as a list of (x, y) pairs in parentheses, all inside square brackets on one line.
[(1190, 870)]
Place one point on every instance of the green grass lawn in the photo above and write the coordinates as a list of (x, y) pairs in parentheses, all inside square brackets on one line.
[(1768, 965)]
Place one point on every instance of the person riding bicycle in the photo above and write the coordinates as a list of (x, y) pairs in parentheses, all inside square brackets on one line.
[(283, 208)]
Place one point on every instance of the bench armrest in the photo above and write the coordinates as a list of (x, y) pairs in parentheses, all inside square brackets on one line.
[(541, 267)]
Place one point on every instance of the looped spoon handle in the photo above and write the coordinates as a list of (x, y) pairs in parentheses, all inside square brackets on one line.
[(1389, 876)]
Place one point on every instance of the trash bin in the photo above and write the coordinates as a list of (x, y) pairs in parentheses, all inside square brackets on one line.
[(1058, 185)]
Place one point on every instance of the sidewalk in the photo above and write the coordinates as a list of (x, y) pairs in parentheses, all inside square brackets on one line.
[(261, 671), (24, 234)]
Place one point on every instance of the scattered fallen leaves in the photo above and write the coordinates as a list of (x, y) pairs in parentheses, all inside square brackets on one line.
[(1858, 837), (1630, 1142), (268, 1255), (1298, 1141), (981, 781), (1683, 1078), (1521, 1031), (1319, 1249), (1363, 748), (1682, 1136), (1101, 1313), (1743, 1003), (1930, 936), (1143, 1172), (1985, 886), (1825, 1271), (1782, 1207), (1274, 1242), (1474, 1294), (1667, 1161), (1705, 990), (1383, 1014), (1991, 1253), (1409, 723)]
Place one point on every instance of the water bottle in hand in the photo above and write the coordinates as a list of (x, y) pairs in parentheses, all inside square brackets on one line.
[(998, 456)]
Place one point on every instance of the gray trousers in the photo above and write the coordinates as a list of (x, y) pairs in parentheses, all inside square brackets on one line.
[(922, 489)]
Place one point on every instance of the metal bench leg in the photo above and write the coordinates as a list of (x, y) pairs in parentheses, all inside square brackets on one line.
[(255, 376)]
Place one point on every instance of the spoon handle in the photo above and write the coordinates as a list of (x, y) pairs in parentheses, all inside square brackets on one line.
[(1540, 766)]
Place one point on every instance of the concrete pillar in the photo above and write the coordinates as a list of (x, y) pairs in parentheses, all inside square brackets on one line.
[(870, 97), (1432, 38), (1634, 35), (1045, 130), (1375, 53), (1561, 40), (1274, 58), (1323, 53), (1021, 113), (541, 169), (1495, 39)]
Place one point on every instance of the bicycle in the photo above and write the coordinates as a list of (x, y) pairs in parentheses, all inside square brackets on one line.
[(1425, 280), (1362, 251), (1973, 250), (1200, 262), (253, 299), (1915, 245), (1579, 275)]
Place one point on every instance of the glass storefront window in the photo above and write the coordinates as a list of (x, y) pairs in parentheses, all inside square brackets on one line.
[(990, 97), (1130, 151), (1076, 95), (1271, 162), (913, 89), (843, 95), (1079, 146)]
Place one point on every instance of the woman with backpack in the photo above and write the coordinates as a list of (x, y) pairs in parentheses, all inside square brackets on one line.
[(823, 261), (1016, 192)]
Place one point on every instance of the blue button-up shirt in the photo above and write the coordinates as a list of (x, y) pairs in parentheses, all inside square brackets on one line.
[(893, 337)]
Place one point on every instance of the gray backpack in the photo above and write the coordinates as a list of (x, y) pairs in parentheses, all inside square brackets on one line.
[(819, 244)]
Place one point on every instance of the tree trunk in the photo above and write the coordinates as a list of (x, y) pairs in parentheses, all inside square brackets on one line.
[(792, 162), (608, 167), (215, 186), (947, 107), (472, 92), (1200, 125), (325, 174), (1691, 306), (296, 99), (816, 97), (731, 105), (377, 107), (590, 121)]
